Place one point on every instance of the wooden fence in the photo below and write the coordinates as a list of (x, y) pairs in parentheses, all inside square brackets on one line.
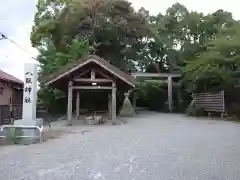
[(5, 115), (211, 101)]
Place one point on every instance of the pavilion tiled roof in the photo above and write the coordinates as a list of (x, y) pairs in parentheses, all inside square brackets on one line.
[(124, 76), (8, 77)]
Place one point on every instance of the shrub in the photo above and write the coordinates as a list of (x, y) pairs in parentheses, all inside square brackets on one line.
[(196, 111), (234, 110), (151, 95), (13, 135)]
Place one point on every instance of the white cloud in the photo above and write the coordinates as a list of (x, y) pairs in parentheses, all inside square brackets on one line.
[(12, 58)]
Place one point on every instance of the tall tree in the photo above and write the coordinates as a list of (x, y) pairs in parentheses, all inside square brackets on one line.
[(65, 30), (216, 68), (181, 35), (112, 28)]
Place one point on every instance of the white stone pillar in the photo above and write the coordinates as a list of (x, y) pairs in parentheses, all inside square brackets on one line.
[(29, 94), (29, 106)]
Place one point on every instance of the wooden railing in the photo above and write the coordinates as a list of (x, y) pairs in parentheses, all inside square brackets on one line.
[(5, 115)]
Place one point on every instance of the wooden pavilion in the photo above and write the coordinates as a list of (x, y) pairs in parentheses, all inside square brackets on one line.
[(88, 73)]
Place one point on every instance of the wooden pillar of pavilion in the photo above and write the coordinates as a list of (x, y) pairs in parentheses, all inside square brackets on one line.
[(78, 105), (134, 100), (110, 106), (113, 107), (69, 109)]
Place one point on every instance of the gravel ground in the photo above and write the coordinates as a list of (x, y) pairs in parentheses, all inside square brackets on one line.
[(150, 146)]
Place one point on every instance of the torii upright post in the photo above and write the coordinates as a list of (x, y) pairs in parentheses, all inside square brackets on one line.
[(69, 110), (113, 108), (170, 101)]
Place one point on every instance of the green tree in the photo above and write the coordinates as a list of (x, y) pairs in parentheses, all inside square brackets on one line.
[(65, 30), (181, 35), (203, 47), (152, 95), (217, 67), (113, 29), (52, 60)]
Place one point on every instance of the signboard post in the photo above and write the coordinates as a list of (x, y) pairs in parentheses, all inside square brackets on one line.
[(30, 92), (29, 95), (29, 124)]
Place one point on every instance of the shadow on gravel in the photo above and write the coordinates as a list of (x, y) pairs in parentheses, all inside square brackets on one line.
[(55, 134), (47, 135), (58, 133)]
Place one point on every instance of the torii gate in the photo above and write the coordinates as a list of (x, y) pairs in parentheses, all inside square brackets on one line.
[(169, 81)]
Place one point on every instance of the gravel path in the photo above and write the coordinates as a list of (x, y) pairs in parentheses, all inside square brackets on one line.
[(150, 147)]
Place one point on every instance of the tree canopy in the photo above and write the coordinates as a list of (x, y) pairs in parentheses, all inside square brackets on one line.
[(113, 29), (218, 66), (204, 48)]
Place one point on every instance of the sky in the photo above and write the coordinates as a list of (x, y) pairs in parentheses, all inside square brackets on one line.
[(16, 20)]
